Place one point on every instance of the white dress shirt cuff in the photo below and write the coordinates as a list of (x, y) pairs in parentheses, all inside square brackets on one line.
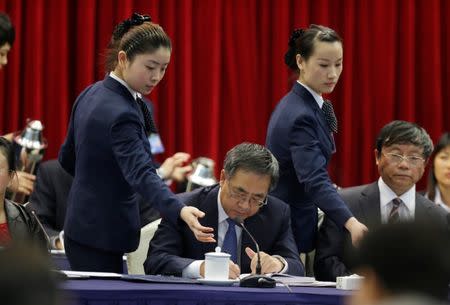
[(163, 177), (192, 270), (283, 261)]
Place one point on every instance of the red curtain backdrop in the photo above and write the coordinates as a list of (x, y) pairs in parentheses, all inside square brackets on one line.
[(227, 71)]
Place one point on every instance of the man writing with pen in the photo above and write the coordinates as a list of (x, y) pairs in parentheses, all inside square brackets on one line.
[(250, 172)]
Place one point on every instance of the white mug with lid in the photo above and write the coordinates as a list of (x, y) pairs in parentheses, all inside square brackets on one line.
[(216, 265)]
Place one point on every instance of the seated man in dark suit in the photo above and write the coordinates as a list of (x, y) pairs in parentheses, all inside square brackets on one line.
[(249, 172), (401, 153), (49, 199)]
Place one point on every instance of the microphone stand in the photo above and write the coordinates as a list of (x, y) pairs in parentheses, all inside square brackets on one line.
[(255, 280), (47, 237)]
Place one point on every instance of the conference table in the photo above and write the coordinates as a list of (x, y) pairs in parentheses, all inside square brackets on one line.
[(120, 292), (60, 261)]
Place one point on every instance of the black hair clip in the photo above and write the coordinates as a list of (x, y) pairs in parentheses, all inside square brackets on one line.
[(294, 36), (138, 19), (126, 25)]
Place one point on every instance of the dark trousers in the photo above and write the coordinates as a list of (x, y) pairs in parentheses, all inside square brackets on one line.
[(85, 258)]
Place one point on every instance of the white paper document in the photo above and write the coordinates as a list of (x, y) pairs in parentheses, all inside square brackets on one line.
[(85, 274), (292, 280)]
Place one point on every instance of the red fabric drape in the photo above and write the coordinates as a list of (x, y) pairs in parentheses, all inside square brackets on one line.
[(227, 71)]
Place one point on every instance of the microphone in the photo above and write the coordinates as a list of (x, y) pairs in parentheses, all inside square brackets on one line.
[(254, 280), (47, 238)]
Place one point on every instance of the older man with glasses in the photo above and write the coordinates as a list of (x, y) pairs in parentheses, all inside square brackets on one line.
[(250, 172), (401, 153)]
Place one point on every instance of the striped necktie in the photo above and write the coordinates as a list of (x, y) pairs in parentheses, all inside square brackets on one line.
[(149, 123), (394, 215), (330, 117)]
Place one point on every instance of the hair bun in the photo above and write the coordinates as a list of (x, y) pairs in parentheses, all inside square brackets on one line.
[(126, 25), (138, 19), (294, 36)]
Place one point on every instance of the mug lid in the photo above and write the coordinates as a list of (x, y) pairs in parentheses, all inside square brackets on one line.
[(217, 253)]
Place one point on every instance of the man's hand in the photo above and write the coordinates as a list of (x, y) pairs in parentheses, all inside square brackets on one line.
[(169, 165), (269, 264), (233, 270), (190, 216), (356, 229), (180, 173), (22, 183)]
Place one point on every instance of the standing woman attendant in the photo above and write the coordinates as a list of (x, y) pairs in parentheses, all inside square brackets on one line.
[(108, 152), (300, 135), (438, 188)]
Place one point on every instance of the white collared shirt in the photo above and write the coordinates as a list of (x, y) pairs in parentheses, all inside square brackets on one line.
[(438, 200), (406, 210), (134, 93), (317, 97)]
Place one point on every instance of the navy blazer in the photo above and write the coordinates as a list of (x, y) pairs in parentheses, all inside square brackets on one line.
[(174, 248), (108, 153), (300, 139), (334, 248)]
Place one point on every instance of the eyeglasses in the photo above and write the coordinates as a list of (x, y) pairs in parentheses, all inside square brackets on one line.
[(242, 196), (397, 159)]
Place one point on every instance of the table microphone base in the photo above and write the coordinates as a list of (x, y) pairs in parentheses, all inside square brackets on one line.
[(257, 281)]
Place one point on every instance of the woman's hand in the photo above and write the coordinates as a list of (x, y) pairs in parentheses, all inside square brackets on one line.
[(190, 216), (356, 229)]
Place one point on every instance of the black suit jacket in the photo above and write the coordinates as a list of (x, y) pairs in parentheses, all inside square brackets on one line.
[(49, 198), (334, 247), (300, 139), (108, 153), (175, 247)]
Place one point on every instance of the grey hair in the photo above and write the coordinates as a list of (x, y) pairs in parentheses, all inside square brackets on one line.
[(253, 158)]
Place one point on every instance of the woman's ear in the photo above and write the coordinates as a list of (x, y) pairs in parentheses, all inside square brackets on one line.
[(122, 59), (300, 61)]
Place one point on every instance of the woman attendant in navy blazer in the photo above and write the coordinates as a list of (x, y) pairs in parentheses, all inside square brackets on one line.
[(108, 152), (300, 136)]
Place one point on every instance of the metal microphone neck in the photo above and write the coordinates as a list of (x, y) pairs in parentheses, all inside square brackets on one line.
[(47, 237), (258, 262)]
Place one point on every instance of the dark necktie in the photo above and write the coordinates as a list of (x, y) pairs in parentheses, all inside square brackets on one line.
[(230, 241), (327, 109), (150, 126), (394, 215)]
